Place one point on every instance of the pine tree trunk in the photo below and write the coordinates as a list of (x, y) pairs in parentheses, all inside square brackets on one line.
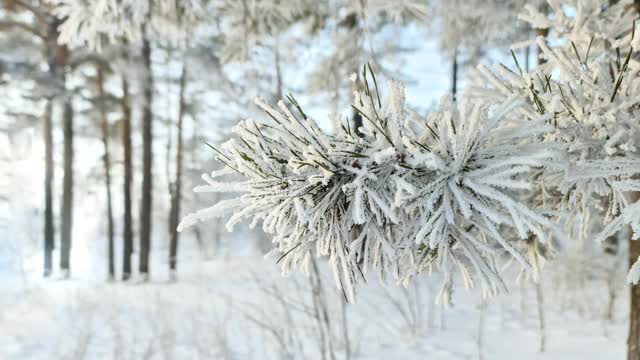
[(49, 232), (67, 192), (454, 75), (633, 339), (127, 235), (278, 66), (177, 191), (56, 71), (147, 158), (107, 172)]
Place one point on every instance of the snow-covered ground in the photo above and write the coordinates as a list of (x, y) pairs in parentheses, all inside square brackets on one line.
[(242, 308)]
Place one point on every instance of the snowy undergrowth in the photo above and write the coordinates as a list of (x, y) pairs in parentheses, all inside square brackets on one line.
[(241, 308)]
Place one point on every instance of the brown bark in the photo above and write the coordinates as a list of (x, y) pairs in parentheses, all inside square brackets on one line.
[(67, 191), (127, 236), (147, 158), (49, 231), (104, 125), (176, 197), (10, 5), (57, 59), (633, 338), (55, 76)]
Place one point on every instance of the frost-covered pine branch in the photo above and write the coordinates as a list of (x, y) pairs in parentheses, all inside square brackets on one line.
[(591, 90), (473, 26), (246, 24), (99, 22), (89, 22), (401, 195)]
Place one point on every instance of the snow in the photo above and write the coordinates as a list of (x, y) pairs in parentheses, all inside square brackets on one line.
[(232, 308)]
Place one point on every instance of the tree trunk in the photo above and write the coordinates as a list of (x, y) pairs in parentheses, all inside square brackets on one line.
[(49, 232), (633, 339), (147, 158), (276, 54), (107, 171), (454, 75), (127, 235), (177, 190), (56, 60), (67, 192)]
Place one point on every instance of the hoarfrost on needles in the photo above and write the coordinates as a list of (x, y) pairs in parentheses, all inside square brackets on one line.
[(402, 196)]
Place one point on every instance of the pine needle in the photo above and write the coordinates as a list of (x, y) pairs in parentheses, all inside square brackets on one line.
[(515, 60), (375, 83)]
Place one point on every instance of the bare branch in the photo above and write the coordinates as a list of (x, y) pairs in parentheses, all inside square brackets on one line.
[(7, 24), (34, 9)]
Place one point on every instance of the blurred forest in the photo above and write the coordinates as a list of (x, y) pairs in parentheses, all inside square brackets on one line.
[(117, 130)]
